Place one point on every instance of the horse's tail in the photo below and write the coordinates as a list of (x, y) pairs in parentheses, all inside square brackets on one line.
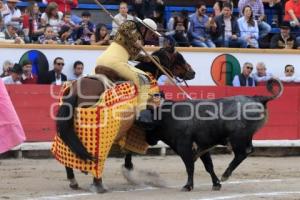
[(270, 87), (65, 128)]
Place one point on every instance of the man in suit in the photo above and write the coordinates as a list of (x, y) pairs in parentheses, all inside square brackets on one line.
[(227, 32), (55, 76)]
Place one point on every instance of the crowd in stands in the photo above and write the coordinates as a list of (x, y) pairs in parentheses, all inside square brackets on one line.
[(246, 28), (21, 73), (249, 79)]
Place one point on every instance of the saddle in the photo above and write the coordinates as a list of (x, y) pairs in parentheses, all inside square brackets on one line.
[(135, 138), (115, 77)]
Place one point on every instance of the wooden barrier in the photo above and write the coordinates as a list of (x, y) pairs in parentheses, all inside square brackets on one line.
[(34, 103), (203, 60)]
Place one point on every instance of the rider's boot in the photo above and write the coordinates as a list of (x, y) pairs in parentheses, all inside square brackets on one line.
[(148, 121)]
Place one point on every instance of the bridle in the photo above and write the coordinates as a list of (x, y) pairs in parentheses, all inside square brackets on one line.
[(171, 71)]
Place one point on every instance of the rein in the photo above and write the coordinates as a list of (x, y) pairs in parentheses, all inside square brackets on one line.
[(166, 69)]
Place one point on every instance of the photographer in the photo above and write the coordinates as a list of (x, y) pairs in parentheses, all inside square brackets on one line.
[(86, 29), (178, 27)]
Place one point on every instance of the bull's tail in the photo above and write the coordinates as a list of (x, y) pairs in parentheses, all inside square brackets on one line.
[(270, 87), (65, 128)]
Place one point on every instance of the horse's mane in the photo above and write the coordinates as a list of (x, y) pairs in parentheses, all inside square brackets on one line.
[(163, 59)]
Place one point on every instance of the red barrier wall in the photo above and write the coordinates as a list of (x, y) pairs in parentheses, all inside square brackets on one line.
[(33, 105)]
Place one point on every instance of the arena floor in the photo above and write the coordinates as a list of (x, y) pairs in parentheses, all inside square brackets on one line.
[(257, 178)]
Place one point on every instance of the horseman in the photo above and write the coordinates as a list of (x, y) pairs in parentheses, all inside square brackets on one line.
[(126, 46)]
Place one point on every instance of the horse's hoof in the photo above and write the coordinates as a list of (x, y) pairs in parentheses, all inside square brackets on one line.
[(97, 189), (216, 187), (73, 184), (224, 178), (187, 188), (127, 167)]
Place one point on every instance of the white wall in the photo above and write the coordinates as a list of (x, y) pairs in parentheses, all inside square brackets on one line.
[(200, 60)]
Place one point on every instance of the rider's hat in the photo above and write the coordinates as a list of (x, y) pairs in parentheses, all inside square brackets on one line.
[(149, 24)]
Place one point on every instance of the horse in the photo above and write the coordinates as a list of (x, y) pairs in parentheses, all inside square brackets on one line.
[(91, 87)]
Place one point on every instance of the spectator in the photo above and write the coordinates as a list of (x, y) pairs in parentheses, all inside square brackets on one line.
[(257, 8), (66, 21), (68, 30), (182, 14), (200, 27), (284, 39), (2, 29), (292, 15), (158, 14), (121, 17), (218, 7), (6, 68), (78, 71), (66, 35), (244, 78), (65, 6), (52, 17), (138, 9), (289, 72), (276, 5), (148, 8), (15, 75), (49, 37), (11, 35), (27, 76), (4, 10), (101, 35), (248, 28), (14, 14), (292, 12), (227, 33), (261, 73), (179, 30), (55, 76), (32, 26), (86, 29)]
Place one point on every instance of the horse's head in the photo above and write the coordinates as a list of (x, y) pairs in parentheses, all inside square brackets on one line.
[(182, 69), (175, 63)]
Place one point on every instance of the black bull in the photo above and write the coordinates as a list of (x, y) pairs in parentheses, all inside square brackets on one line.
[(192, 128)]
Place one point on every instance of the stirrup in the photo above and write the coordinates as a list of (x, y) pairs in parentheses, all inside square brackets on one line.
[(146, 120)]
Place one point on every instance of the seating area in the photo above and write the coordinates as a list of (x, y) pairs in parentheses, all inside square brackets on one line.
[(62, 23), (169, 10)]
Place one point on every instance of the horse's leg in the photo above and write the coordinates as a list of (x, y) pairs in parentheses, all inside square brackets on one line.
[(209, 167), (97, 186), (128, 161), (71, 178)]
